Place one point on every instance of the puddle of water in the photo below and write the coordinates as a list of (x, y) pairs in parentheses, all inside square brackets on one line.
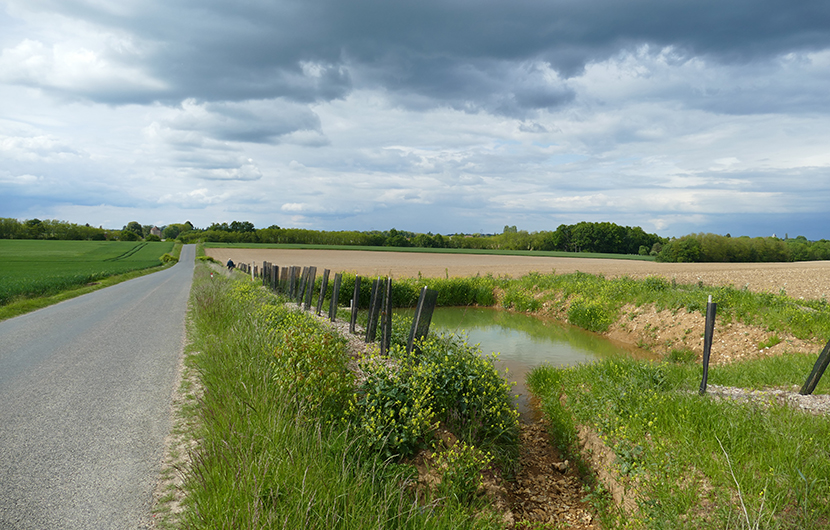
[(524, 342)]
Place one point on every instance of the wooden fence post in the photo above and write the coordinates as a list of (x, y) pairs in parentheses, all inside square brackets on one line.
[(292, 281), (355, 304), (709, 330), (374, 312), (283, 285), (275, 277), (423, 317), (386, 319), (309, 289), (335, 296), (818, 371), (324, 284)]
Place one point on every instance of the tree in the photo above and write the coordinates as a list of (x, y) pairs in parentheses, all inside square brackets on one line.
[(135, 227)]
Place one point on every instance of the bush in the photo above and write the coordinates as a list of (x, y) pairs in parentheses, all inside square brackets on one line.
[(309, 361), (461, 467), (393, 408), (399, 403), (589, 314), (152, 237), (168, 258)]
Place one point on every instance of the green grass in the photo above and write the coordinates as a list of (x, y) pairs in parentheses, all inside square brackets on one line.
[(279, 446), (36, 274), (540, 253), (696, 461), (599, 301), (41, 268)]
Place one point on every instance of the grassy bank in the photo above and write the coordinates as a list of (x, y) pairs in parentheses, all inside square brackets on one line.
[(594, 303), (288, 439), (690, 461)]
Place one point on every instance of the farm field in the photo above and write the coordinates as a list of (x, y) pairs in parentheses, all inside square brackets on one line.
[(35, 267), (809, 280)]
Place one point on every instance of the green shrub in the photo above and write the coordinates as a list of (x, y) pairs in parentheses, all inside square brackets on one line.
[(168, 258), (400, 401), (393, 408), (469, 395), (461, 466), (310, 362), (589, 314)]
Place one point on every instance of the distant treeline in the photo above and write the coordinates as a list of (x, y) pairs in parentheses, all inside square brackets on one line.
[(51, 229), (581, 237), (697, 248), (604, 237), (54, 229)]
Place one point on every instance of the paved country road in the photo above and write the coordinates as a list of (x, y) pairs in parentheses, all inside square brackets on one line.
[(85, 388)]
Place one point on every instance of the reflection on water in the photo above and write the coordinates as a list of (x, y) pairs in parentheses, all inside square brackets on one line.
[(525, 342)]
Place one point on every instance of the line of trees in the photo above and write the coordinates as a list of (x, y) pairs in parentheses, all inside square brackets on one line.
[(697, 248), (603, 237), (54, 229), (581, 237)]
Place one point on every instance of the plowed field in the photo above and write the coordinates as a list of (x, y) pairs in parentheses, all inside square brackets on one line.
[(802, 279)]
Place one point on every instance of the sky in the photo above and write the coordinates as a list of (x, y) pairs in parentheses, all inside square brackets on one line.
[(442, 116)]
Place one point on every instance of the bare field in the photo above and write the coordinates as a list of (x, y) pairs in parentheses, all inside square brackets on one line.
[(800, 280)]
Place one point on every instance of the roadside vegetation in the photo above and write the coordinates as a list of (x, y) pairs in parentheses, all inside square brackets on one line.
[(34, 274), (289, 438)]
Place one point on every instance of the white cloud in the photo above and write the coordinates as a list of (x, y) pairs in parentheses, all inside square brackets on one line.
[(73, 69)]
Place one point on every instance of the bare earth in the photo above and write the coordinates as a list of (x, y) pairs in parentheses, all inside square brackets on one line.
[(800, 280), (547, 491)]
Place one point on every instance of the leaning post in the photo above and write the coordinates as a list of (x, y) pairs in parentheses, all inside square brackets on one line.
[(355, 305), (423, 317), (818, 371), (335, 296), (386, 319), (309, 290), (324, 285), (374, 312)]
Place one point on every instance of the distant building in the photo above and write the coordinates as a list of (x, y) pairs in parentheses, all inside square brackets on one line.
[(156, 231)]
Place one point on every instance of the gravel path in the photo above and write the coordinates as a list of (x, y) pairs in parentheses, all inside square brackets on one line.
[(85, 389)]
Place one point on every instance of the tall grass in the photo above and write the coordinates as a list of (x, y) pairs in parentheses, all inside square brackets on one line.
[(271, 457)]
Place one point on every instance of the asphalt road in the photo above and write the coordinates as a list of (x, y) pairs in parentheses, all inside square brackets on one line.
[(85, 390)]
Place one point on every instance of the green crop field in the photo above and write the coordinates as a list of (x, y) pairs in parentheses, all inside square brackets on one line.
[(38, 268)]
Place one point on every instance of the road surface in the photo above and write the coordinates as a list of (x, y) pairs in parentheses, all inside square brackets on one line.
[(85, 388)]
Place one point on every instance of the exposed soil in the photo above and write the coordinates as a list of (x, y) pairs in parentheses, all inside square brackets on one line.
[(548, 493), (809, 279)]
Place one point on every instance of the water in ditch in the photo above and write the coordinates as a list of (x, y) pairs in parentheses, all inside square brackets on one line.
[(524, 342)]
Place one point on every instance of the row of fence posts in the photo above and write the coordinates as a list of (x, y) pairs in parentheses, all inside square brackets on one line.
[(297, 283)]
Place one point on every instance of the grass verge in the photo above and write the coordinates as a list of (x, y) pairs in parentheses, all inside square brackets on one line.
[(279, 444), (693, 461)]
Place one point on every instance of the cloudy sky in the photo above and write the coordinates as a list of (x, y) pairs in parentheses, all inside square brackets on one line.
[(446, 116)]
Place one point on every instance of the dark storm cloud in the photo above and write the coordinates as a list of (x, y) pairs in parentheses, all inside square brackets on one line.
[(483, 55)]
